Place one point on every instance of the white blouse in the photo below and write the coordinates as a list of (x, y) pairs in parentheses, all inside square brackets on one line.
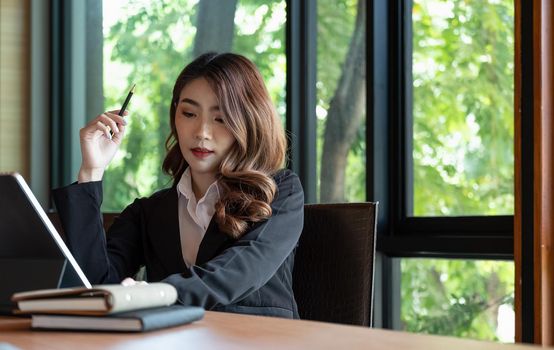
[(194, 217)]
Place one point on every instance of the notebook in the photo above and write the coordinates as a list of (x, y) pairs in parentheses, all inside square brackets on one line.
[(131, 321), (32, 253)]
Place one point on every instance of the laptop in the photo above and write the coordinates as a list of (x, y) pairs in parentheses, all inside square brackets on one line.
[(32, 253)]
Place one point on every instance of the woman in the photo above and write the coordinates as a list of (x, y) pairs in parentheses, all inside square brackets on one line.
[(225, 233)]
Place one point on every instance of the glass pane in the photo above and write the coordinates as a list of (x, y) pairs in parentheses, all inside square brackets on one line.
[(148, 43), (341, 100), (463, 298), (463, 123)]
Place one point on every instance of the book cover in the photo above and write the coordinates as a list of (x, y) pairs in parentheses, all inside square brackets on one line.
[(98, 300), (130, 321)]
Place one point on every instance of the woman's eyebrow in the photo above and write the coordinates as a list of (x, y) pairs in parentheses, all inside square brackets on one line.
[(191, 101), (195, 103)]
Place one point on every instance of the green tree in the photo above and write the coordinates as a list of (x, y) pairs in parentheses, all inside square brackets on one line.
[(455, 297), (341, 92), (463, 157), (463, 59)]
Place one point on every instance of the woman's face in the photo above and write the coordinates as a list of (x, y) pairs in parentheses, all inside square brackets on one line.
[(204, 139)]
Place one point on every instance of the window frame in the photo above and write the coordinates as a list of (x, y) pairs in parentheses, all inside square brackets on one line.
[(389, 140), (301, 95), (481, 237)]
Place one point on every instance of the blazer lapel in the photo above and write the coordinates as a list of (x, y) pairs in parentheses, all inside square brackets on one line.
[(166, 239), (212, 244), (164, 234)]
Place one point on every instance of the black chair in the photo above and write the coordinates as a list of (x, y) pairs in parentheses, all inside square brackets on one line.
[(333, 268)]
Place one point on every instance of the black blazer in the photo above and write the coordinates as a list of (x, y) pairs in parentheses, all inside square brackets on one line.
[(251, 275)]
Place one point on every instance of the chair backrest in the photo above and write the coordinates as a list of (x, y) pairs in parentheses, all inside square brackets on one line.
[(333, 268)]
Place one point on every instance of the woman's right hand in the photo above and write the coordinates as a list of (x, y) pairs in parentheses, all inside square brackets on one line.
[(98, 147)]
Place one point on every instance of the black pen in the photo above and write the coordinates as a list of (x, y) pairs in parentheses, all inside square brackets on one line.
[(125, 103)]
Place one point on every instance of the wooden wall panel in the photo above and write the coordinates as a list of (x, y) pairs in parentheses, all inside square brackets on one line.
[(541, 119), (14, 86), (544, 166)]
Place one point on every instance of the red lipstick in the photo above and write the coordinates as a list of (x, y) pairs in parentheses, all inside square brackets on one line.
[(200, 152)]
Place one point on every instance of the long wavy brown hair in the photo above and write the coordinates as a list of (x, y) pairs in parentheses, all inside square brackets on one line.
[(260, 146)]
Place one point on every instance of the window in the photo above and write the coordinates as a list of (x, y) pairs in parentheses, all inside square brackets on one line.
[(456, 193), (463, 122), (341, 104), (464, 298)]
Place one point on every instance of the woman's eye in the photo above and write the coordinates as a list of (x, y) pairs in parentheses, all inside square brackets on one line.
[(188, 114), (220, 120)]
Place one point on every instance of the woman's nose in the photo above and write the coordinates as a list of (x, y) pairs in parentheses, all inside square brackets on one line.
[(203, 130)]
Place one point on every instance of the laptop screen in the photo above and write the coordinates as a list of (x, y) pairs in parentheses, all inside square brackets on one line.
[(32, 253)]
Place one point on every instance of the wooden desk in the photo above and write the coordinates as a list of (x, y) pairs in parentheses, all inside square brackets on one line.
[(229, 331)]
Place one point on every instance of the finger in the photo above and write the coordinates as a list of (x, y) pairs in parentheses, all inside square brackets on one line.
[(118, 136), (90, 131), (117, 118), (104, 128), (109, 122)]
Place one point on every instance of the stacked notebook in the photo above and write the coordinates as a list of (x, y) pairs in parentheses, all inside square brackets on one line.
[(136, 308)]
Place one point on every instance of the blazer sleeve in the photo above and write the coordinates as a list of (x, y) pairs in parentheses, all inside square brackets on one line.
[(253, 259), (79, 210)]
